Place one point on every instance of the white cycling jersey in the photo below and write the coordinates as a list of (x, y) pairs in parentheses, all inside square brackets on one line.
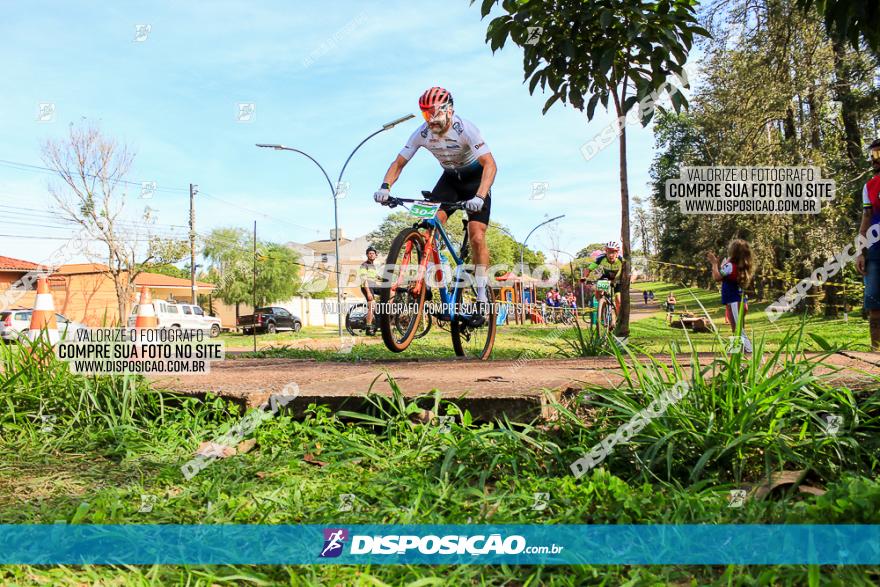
[(458, 148)]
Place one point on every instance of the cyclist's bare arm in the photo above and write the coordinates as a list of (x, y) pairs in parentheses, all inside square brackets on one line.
[(394, 171), (489, 171)]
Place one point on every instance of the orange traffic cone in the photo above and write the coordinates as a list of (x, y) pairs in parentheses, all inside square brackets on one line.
[(146, 314), (43, 316)]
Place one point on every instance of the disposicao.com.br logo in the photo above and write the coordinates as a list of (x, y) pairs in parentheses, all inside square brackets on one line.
[(479, 544)]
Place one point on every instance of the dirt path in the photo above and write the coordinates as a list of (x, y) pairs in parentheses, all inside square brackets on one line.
[(516, 388)]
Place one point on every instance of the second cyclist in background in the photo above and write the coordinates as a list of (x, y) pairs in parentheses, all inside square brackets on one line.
[(611, 267), (369, 277)]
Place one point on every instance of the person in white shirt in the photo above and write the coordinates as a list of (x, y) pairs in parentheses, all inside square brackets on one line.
[(468, 171)]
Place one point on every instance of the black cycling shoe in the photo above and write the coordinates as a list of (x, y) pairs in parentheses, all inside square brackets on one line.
[(478, 318)]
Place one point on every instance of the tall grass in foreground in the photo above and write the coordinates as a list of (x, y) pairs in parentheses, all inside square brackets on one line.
[(38, 392), (743, 416), (425, 460)]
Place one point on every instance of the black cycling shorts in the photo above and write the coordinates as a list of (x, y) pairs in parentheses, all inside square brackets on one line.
[(459, 186)]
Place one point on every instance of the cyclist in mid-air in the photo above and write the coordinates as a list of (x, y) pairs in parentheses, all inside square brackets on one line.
[(611, 266), (368, 278), (468, 172)]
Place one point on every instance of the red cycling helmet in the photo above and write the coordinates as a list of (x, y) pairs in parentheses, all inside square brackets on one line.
[(433, 97)]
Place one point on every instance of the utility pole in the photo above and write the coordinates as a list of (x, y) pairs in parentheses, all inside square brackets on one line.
[(193, 190)]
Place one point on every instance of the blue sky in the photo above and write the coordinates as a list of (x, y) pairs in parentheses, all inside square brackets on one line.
[(173, 98)]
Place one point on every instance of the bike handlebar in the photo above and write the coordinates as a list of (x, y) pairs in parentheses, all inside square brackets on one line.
[(394, 202)]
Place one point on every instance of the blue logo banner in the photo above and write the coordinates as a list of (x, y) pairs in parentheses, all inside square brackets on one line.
[(441, 544)]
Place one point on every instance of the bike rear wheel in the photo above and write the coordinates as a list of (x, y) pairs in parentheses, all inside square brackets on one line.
[(356, 316), (470, 342), (402, 291)]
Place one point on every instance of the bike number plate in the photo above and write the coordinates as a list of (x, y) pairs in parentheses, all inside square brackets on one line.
[(424, 211), (603, 285)]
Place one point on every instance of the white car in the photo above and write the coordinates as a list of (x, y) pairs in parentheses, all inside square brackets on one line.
[(182, 316), (15, 324)]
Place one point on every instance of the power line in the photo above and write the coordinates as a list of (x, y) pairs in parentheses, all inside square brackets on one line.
[(39, 168)]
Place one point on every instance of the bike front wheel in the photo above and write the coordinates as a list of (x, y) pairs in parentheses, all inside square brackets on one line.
[(402, 290), (607, 316), (468, 341)]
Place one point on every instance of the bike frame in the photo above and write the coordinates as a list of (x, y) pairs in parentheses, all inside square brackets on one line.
[(436, 235)]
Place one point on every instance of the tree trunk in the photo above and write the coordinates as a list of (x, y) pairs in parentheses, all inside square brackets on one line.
[(812, 102), (831, 300), (848, 109), (623, 318)]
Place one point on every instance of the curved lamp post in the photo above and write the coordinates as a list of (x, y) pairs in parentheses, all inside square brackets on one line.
[(522, 248), (334, 192)]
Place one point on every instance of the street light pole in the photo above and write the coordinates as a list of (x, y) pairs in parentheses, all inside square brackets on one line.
[(522, 248), (571, 268), (334, 190)]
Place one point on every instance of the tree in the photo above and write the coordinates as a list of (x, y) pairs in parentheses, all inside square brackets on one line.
[(643, 225), (164, 269), (277, 273), (230, 255), (92, 167), (777, 91), (622, 50), (852, 20)]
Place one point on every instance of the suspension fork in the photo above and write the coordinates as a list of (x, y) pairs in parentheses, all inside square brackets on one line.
[(422, 268), (431, 253)]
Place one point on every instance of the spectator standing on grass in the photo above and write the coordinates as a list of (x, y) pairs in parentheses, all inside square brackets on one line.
[(670, 303), (734, 273), (868, 261)]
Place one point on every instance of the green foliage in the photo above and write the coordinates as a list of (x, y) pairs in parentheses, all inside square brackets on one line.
[(164, 269), (230, 252), (503, 249), (852, 20), (382, 236), (114, 440), (584, 253), (782, 93), (596, 48), (277, 273)]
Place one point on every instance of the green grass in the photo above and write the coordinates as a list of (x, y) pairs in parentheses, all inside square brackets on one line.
[(655, 336), (109, 442), (239, 340), (511, 342), (652, 335)]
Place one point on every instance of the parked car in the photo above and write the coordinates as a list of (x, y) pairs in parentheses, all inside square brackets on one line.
[(269, 320), (183, 316), (16, 323)]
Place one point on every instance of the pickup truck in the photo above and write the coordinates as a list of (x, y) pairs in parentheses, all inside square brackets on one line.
[(269, 320)]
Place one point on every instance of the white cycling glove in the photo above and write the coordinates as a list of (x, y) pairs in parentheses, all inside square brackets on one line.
[(475, 204), (382, 195)]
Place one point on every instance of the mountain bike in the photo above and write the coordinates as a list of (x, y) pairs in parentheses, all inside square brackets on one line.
[(607, 312), (416, 255)]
